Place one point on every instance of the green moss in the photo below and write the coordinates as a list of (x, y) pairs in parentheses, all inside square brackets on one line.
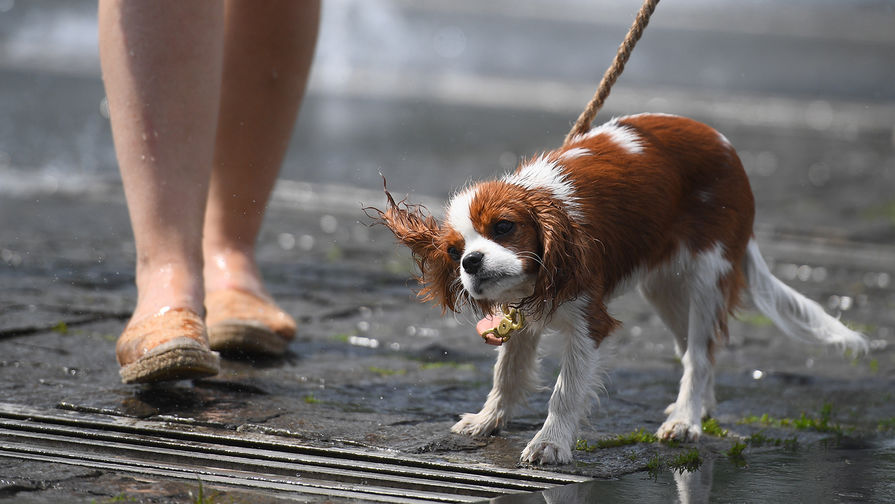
[(61, 328), (886, 425), (387, 372), (885, 210), (820, 423), (754, 319), (710, 426), (341, 337), (462, 366), (688, 461), (760, 439), (654, 466), (311, 399), (735, 454), (201, 497), (638, 436)]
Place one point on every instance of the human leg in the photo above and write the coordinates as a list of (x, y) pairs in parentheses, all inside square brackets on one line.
[(161, 65), (267, 55), (161, 74)]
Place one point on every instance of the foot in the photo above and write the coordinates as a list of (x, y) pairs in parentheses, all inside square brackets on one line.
[(679, 430), (541, 450), (171, 345), (478, 424)]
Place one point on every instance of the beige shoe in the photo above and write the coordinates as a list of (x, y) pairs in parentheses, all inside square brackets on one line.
[(241, 322), (170, 345)]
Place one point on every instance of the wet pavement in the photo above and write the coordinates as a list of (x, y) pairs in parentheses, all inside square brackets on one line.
[(376, 374)]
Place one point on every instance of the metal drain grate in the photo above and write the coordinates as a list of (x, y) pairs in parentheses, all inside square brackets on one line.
[(252, 461)]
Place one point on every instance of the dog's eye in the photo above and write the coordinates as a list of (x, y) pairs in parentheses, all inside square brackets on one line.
[(503, 227), (454, 253)]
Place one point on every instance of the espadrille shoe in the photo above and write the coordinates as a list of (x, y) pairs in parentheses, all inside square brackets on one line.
[(170, 345), (244, 323)]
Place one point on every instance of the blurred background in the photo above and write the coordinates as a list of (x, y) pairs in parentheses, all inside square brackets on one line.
[(436, 93)]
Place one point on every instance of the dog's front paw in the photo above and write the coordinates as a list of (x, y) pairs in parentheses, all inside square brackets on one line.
[(477, 424), (679, 430), (546, 452), (707, 409)]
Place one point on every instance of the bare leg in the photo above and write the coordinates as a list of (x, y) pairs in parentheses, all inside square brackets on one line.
[(161, 65), (267, 56)]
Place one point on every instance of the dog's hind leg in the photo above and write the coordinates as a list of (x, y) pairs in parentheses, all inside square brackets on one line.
[(706, 321), (515, 377), (670, 296)]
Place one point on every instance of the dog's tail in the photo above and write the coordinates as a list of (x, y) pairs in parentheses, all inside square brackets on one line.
[(796, 315)]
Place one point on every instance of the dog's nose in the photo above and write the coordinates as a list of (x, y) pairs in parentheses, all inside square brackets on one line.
[(473, 262)]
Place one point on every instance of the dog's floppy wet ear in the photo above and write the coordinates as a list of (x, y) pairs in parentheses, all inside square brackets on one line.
[(562, 256), (420, 232)]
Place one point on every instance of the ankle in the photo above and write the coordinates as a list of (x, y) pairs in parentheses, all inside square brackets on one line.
[(166, 286), (229, 269)]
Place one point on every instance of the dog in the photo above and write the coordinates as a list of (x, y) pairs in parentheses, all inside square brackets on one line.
[(653, 200)]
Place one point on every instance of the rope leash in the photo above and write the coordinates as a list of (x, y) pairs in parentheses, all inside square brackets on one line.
[(582, 125), (513, 320)]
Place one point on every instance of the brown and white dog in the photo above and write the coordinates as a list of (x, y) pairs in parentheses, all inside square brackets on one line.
[(655, 200)]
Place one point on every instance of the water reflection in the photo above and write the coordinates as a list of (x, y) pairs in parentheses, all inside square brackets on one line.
[(849, 472)]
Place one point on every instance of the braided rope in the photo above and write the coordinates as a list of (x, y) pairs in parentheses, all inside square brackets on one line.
[(582, 125)]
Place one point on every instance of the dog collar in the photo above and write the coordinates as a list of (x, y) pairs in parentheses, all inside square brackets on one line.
[(512, 321)]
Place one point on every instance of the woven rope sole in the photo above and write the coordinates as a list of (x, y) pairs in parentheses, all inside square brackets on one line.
[(245, 339), (173, 364)]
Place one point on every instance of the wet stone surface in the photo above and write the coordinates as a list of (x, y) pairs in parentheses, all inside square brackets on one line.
[(374, 369)]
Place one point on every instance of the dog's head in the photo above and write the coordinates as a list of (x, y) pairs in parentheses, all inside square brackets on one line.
[(499, 243)]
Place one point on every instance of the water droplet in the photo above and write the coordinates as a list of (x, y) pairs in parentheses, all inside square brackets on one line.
[(286, 241), (757, 374), (306, 242), (804, 272), (329, 224), (104, 107), (845, 303)]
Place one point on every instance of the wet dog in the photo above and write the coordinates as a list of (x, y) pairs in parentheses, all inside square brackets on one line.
[(652, 200)]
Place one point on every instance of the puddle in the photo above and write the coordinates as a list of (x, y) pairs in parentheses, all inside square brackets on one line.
[(814, 474)]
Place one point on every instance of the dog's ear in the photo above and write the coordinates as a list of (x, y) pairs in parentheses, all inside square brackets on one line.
[(419, 231), (562, 256)]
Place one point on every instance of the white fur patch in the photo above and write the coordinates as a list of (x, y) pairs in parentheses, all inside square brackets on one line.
[(546, 174), (621, 135), (458, 212), (575, 153)]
